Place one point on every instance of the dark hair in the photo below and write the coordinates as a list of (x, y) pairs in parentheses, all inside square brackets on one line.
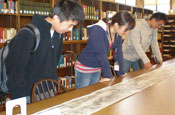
[(159, 16), (68, 10), (123, 18)]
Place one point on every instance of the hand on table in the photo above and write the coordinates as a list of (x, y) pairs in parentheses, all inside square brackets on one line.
[(124, 75), (161, 62), (105, 79), (147, 65)]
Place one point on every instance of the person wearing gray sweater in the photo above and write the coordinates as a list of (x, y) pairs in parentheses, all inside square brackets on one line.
[(140, 39)]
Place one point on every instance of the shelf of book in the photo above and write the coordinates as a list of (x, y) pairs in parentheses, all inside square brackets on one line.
[(167, 38), (68, 82), (91, 9)]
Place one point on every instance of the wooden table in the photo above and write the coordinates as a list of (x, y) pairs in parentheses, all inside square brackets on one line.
[(158, 99)]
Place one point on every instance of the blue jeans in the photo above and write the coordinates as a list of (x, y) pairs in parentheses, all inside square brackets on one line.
[(127, 64), (86, 79)]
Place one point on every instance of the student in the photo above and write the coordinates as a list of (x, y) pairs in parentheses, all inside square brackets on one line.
[(24, 69), (140, 39), (102, 38)]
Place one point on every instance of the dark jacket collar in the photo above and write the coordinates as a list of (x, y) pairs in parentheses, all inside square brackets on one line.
[(41, 23)]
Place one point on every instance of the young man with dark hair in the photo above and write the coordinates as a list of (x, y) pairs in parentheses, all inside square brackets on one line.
[(23, 68), (140, 39), (159, 16)]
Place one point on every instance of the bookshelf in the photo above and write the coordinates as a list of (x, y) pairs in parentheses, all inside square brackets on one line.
[(22, 11), (73, 49), (167, 38)]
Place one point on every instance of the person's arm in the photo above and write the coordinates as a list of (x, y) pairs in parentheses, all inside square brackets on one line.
[(119, 55), (105, 79), (99, 36), (135, 36), (155, 48)]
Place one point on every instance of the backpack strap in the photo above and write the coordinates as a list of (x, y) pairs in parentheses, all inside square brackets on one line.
[(36, 33), (2, 59)]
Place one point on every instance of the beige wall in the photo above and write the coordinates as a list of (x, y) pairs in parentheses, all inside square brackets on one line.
[(172, 4), (140, 3)]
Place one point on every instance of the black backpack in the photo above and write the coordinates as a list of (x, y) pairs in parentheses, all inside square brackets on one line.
[(3, 53)]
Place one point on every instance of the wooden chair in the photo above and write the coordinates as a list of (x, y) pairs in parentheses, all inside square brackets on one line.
[(46, 88), (3, 98)]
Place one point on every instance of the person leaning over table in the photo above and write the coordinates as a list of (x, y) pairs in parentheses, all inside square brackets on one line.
[(103, 36), (24, 69), (140, 39)]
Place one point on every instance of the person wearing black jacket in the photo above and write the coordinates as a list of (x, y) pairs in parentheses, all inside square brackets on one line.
[(23, 68)]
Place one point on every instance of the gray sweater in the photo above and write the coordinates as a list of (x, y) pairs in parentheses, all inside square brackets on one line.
[(138, 41)]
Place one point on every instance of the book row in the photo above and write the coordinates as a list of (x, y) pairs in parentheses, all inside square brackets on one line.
[(76, 34), (67, 60), (6, 34), (67, 81), (8, 6), (91, 12), (26, 7), (30, 7)]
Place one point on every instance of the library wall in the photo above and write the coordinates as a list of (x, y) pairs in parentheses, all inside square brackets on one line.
[(172, 4), (140, 3)]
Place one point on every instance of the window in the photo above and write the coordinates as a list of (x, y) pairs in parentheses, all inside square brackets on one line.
[(127, 2), (120, 1), (151, 7), (163, 8), (131, 2), (158, 5)]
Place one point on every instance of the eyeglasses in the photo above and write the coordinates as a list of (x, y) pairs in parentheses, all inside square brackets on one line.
[(159, 24)]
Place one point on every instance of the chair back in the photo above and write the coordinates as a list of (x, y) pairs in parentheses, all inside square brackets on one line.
[(46, 88)]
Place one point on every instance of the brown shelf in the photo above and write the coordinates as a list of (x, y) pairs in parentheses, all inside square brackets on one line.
[(75, 42), (109, 1), (72, 88), (65, 67), (26, 15), (1, 45), (8, 14), (90, 19)]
